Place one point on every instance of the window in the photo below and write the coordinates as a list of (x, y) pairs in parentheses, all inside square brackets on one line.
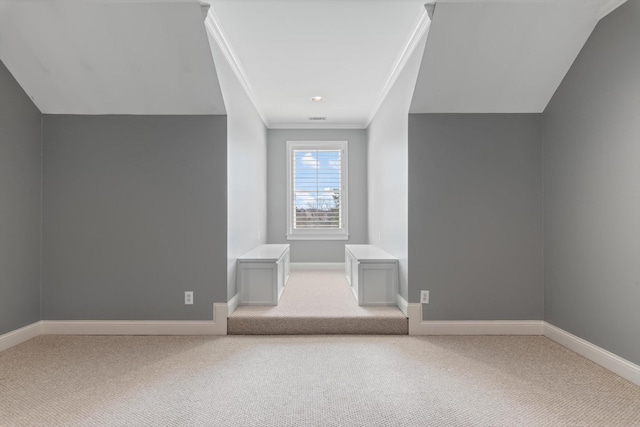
[(317, 190)]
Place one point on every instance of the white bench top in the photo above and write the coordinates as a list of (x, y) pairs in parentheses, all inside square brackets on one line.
[(369, 253), (264, 253)]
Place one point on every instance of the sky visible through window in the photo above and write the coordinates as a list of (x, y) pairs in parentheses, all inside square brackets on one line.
[(317, 194)]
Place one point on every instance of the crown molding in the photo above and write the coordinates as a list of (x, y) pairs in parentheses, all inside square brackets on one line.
[(609, 6), (421, 28), (214, 29), (317, 126)]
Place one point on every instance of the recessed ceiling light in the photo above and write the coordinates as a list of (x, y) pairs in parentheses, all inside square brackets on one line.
[(317, 98)]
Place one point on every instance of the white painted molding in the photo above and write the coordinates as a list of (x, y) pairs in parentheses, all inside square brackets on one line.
[(233, 304), (417, 326), (19, 336), (214, 29), (129, 327), (220, 315), (314, 125), (609, 6), (602, 357), (421, 29), (140, 327), (414, 313), (317, 266), (402, 304), (480, 327)]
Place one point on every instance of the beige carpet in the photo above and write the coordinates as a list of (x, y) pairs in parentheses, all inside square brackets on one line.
[(317, 302), (308, 381)]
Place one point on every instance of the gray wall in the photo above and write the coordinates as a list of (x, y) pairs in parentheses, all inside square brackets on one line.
[(323, 250), (134, 215), (20, 207), (475, 215), (592, 190)]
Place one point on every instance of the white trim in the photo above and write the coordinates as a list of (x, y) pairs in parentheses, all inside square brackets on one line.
[(518, 1), (220, 315), (315, 125), (317, 266), (614, 363), (609, 6), (417, 326), (129, 327), (421, 29), (602, 357), (140, 327), (480, 327), (19, 336), (402, 304), (414, 313), (316, 233), (233, 304), (214, 29), (317, 236)]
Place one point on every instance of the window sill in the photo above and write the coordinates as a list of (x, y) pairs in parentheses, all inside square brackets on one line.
[(317, 237)]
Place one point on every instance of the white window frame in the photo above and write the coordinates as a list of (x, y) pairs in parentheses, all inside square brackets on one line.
[(311, 234)]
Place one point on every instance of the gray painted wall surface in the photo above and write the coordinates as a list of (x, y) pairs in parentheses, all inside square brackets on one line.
[(20, 206), (475, 215), (326, 250), (134, 215), (388, 165), (592, 190), (246, 169)]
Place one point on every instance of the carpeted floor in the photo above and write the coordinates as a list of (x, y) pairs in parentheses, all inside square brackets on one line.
[(308, 381), (317, 302)]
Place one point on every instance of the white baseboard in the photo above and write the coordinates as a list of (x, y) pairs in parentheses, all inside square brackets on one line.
[(602, 357), (616, 364), (402, 304), (317, 266), (19, 336), (140, 327), (233, 304), (128, 327), (417, 326)]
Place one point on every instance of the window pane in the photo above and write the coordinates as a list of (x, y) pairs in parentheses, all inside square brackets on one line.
[(317, 189)]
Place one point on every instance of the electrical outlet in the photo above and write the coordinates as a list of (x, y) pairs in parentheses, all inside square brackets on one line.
[(424, 297), (188, 297)]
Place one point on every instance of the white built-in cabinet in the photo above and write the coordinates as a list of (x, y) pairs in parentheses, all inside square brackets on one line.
[(262, 274), (372, 274)]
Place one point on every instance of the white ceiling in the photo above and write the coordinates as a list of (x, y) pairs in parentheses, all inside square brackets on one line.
[(343, 50), (153, 56), (110, 56), (500, 57)]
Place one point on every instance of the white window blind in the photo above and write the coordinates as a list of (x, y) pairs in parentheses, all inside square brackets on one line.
[(317, 190)]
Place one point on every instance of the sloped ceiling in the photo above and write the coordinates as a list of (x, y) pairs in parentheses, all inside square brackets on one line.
[(110, 57), (153, 56), (500, 57)]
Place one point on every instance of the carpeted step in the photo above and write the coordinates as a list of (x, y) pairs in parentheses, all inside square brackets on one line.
[(317, 302), (241, 325)]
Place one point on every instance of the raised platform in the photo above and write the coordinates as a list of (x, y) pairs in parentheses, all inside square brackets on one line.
[(317, 302)]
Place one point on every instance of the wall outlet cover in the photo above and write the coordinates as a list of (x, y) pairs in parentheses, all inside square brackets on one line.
[(188, 297), (424, 297)]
